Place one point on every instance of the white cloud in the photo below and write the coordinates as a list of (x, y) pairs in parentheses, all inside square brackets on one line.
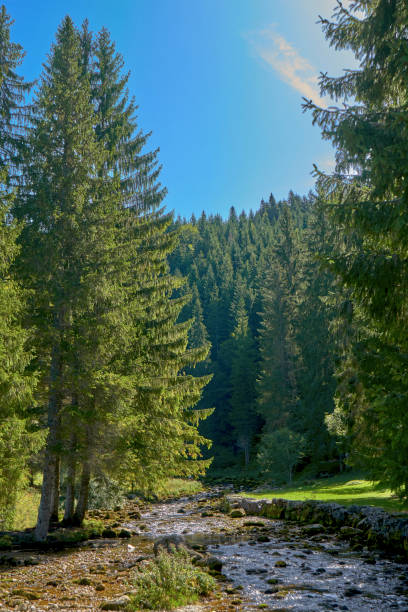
[(287, 62), (327, 164)]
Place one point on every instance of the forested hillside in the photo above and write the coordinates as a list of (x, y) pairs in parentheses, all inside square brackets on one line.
[(259, 297)]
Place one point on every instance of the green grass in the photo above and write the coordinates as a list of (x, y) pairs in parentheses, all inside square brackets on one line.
[(26, 509), (179, 487), (29, 500), (340, 489), (169, 581)]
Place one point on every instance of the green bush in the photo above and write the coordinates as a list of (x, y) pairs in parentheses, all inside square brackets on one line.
[(171, 580), (93, 528)]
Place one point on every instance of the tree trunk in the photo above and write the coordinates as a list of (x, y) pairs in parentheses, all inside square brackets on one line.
[(55, 502), (246, 452), (82, 503), (51, 456), (70, 491)]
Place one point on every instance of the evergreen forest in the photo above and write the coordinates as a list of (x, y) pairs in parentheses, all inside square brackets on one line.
[(136, 345)]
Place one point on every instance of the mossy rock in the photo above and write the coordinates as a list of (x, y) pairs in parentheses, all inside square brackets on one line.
[(84, 581), (26, 593), (109, 533), (116, 604), (237, 513)]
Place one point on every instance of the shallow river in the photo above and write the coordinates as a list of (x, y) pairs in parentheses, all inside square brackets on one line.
[(272, 563)]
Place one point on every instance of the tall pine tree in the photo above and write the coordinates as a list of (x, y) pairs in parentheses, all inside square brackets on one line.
[(369, 196)]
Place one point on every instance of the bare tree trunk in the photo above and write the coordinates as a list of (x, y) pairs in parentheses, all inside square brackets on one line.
[(55, 502), (82, 503), (51, 456), (70, 491)]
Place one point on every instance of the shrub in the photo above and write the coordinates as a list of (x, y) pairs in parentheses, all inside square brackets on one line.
[(171, 580)]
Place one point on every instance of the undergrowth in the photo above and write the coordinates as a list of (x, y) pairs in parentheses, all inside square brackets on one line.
[(169, 581)]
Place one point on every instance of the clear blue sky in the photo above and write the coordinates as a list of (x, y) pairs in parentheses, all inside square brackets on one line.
[(218, 82)]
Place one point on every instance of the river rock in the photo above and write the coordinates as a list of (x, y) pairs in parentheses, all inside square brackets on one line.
[(349, 532), (116, 604), (313, 528), (380, 529), (263, 538), (256, 570), (213, 563), (352, 591), (169, 543), (237, 513), (135, 514), (26, 593), (109, 533)]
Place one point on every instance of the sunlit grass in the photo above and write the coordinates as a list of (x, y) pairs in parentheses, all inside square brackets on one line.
[(179, 487), (340, 489), (29, 499), (26, 509)]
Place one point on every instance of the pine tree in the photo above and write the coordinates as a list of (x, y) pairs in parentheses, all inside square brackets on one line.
[(132, 354), (17, 381), (315, 338), (368, 196), (278, 393), (13, 88), (59, 172), (243, 416)]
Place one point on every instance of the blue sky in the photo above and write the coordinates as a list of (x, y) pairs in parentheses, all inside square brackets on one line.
[(218, 82)]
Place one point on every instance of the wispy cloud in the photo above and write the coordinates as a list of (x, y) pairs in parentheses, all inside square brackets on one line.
[(287, 62), (327, 164)]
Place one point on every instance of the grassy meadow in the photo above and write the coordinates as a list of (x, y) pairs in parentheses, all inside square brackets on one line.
[(342, 489)]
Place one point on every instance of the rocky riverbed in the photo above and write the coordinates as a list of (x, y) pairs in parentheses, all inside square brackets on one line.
[(266, 563)]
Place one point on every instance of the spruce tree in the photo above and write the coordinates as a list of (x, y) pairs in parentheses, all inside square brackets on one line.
[(368, 203), (17, 380), (278, 393), (60, 164), (243, 416), (13, 89), (134, 397), (315, 336)]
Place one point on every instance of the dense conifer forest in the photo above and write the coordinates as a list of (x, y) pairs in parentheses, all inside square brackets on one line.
[(136, 346)]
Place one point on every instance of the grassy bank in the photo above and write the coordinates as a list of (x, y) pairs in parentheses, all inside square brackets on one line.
[(179, 487), (341, 489), (26, 509), (29, 500)]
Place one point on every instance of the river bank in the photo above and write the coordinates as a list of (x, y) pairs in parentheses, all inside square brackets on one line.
[(267, 563)]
